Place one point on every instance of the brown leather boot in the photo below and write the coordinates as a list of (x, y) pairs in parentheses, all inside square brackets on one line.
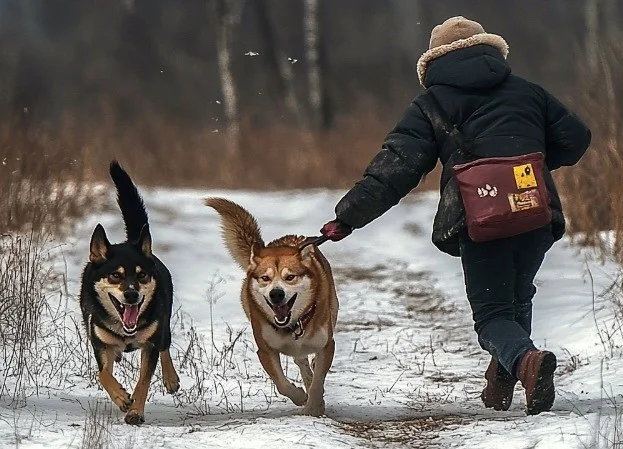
[(536, 373), (498, 393)]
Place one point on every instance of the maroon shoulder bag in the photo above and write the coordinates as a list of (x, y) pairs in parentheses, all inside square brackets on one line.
[(502, 196)]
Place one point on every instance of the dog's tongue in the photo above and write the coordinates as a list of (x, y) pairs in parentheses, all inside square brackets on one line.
[(130, 315), (281, 312)]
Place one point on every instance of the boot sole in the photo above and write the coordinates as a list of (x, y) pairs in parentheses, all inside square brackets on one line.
[(502, 405), (544, 392)]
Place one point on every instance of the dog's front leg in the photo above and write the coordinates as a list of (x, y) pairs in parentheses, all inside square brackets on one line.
[(272, 365), (306, 372), (106, 361), (315, 401), (149, 360), (169, 376)]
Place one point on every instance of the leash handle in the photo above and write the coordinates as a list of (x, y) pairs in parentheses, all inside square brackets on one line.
[(314, 241)]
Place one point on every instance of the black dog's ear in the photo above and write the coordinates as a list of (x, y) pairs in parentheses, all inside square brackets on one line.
[(99, 245), (144, 241)]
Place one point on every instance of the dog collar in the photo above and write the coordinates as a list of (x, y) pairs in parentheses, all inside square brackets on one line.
[(298, 329)]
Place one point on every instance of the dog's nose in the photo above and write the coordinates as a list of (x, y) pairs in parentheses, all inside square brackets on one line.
[(131, 296), (277, 295)]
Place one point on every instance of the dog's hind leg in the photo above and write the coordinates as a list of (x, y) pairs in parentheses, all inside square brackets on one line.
[(306, 372), (315, 401), (272, 365), (106, 361), (169, 376), (149, 360)]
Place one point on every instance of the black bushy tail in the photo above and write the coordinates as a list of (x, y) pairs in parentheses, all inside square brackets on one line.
[(130, 202)]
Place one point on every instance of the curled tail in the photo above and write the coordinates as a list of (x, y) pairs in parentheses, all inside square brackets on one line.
[(240, 229), (130, 202)]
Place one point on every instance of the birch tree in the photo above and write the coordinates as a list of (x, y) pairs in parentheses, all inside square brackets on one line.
[(314, 68), (278, 63), (591, 41), (227, 14)]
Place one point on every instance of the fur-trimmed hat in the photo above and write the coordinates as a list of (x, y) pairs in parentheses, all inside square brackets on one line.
[(455, 33)]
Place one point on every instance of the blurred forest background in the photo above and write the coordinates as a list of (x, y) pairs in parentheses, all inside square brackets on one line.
[(269, 93)]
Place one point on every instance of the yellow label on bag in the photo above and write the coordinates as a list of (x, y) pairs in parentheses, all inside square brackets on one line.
[(524, 176), (524, 200)]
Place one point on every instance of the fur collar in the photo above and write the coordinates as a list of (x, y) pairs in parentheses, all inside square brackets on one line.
[(483, 38)]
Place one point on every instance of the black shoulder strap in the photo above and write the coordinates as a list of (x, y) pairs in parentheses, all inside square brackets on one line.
[(440, 120)]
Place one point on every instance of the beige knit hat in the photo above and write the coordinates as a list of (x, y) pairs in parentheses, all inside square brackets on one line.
[(455, 33)]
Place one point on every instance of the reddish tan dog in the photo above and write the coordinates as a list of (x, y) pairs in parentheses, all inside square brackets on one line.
[(289, 297)]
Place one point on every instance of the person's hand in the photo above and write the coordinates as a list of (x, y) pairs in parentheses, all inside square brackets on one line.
[(336, 230)]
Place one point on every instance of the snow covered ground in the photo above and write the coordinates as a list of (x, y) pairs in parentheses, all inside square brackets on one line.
[(407, 370)]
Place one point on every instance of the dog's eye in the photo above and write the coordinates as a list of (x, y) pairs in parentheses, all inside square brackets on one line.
[(115, 277), (265, 278), (290, 277), (141, 275)]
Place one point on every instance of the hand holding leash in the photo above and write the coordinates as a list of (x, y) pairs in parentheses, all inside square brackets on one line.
[(336, 230)]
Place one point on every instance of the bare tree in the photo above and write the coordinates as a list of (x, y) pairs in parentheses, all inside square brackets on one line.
[(277, 61), (591, 44), (227, 14), (613, 16), (314, 67)]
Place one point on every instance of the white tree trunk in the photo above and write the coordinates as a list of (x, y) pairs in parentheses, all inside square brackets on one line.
[(312, 55), (612, 15), (279, 64), (287, 74), (591, 42), (228, 88), (228, 13)]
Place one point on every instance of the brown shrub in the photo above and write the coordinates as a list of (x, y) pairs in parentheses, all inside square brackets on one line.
[(41, 180), (592, 190)]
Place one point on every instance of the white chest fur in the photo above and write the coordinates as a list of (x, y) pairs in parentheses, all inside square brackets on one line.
[(121, 343), (285, 343)]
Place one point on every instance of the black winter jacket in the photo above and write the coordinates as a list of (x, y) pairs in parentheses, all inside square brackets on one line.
[(499, 114)]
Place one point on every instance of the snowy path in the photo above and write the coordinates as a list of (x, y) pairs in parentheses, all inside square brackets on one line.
[(407, 371)]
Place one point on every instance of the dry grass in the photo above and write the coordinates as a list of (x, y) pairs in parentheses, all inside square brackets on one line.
[(592, 190), (412, 433), (23, 278), (42, 181), (43, 189), (273, 155), (158, 151), (97, 426), (42, 341)]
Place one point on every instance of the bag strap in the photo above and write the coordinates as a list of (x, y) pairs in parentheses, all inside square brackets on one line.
[(440, 120)]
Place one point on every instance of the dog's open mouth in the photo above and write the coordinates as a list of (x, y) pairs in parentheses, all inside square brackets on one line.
[(283, 313), (128, 314)]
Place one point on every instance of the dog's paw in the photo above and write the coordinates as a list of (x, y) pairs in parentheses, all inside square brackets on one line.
[(134, 418), (171, 382), (122, 399), (298, 395), (311, 409)]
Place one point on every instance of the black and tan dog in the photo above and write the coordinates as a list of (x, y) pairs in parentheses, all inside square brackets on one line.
[(126, 301)]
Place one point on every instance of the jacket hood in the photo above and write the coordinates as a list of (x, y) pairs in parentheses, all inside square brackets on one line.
[(434, 53), (477, 67)]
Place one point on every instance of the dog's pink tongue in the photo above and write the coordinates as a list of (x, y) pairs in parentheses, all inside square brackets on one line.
[(130, 315), (281, 312)]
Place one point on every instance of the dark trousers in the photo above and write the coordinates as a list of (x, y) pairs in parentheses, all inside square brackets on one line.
[(499, 280)]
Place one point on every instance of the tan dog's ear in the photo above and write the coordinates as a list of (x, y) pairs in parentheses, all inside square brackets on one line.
[(99, 245), (307, 253), (255, 250)]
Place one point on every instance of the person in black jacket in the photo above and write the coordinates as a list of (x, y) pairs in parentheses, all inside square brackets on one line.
[(498, 114)]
